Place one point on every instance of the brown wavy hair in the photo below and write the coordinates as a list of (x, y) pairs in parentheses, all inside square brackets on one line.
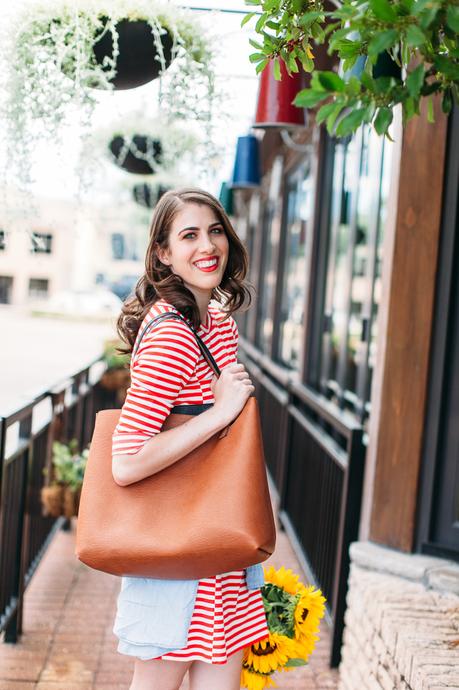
[(159, 281)]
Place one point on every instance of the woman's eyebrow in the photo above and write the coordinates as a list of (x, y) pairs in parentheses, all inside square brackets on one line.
[(217, 222)]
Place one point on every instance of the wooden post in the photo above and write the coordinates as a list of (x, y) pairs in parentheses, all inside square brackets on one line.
[(405, 325)]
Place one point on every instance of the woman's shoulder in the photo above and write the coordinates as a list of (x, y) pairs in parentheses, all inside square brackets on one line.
[(172, 327), (220, 316)]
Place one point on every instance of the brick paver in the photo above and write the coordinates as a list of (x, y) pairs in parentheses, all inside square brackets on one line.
[(68, 644)]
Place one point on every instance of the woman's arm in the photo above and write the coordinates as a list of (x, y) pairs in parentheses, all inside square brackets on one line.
[(167, 447)]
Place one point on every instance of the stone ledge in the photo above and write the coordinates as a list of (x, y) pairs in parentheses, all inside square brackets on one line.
[(434, 573)]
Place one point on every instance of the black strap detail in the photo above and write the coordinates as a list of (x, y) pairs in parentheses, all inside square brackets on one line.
[(191, 409), (202, 346)]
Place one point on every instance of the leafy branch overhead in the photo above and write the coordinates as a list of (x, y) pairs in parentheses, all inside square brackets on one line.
[(390, 52)]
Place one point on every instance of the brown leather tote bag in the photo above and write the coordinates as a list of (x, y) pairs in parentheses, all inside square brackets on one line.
[(207, 513)]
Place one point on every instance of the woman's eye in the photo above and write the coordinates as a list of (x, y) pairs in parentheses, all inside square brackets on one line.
[(219, 231)]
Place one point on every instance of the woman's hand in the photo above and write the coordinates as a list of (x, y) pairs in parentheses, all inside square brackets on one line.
[(231, 391)]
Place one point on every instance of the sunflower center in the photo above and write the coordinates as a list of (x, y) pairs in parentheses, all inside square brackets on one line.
[(263, 652)]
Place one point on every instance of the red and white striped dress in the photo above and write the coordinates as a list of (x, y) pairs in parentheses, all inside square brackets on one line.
[(169, 369)]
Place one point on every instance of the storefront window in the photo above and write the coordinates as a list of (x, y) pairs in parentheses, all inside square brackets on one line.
[(352, 290), (271, 231), (299, 204)]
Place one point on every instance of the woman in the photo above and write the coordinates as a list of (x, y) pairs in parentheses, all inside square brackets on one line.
[(194, 255)]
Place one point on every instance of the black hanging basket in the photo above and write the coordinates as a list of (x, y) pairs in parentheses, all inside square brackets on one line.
[(146, 195), (131, 162), (138, 61)]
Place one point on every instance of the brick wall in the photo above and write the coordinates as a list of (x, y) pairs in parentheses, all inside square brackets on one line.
[(402, 622)]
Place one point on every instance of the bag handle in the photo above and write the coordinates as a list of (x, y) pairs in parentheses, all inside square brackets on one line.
[(202, 346)]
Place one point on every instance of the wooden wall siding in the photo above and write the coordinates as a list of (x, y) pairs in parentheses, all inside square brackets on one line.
[(396, 435)]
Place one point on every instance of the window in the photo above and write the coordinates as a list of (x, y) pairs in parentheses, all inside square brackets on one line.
[(351, 291), (6, 285), (2, 240), (38, 288), (124, 248), (299, 203), (438, 515), (271, 231), (41, 243)]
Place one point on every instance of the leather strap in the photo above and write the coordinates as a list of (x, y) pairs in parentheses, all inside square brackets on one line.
[(202, 346)]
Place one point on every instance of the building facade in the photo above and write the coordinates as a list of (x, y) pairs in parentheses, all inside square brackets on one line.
[(353, 343)]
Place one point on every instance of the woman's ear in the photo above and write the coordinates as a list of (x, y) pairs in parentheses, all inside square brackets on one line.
[(163, 255)]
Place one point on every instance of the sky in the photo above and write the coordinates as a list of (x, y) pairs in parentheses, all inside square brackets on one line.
[(54, 170)]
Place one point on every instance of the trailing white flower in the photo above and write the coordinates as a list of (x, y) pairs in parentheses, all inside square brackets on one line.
[(176, 142), (51, 66)]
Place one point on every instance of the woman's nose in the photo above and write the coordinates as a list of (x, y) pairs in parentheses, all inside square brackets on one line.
[(206, 244)]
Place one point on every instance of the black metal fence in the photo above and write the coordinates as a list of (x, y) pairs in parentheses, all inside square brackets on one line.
[(65, 412), (315, 455)]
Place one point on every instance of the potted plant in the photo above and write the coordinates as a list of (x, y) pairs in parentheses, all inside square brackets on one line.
[(116, 378), (61, 496), (55, 55)]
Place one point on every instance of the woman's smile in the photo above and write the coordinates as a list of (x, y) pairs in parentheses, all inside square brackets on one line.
[(207, 265)]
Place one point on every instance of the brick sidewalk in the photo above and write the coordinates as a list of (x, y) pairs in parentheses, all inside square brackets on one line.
[(68, 642)]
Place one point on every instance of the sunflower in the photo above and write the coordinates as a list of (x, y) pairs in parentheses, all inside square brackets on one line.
[(255, 681), (293, 612), (267, 655), (309, 610), (283, 578)]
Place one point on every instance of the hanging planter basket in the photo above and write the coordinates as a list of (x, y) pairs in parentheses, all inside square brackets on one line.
[(146, 195), (137, 156), (139, 60)]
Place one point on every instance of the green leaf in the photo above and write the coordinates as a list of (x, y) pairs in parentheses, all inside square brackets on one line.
[(383, 10), (308, 98), (331, 81), (346, 48), (292, 64), (420, 5), (254, 44), (452, 17), (428, 14), (261, 22), (383, 120), (430, 111), (367, 81), (415, 80), (253, 2), (277, 69), (307, 62), (261, 65), (353, 86), (325, 111), (331, 119), (247, 18), (447, 101), (255, 57), (415, 36), (448, 67), (382, 41), (308, 18), (296, 662), (350, 122)]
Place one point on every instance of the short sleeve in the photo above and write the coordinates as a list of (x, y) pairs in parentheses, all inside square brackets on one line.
[(235, 334), (164, 362)]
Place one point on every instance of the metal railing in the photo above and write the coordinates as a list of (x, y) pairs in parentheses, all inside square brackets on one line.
[(315, 455), (62, 413)]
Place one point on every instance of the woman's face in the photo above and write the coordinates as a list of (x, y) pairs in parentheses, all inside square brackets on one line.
[(198, 248)]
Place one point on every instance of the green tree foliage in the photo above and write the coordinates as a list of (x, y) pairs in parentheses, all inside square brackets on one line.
[(390, 52)]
